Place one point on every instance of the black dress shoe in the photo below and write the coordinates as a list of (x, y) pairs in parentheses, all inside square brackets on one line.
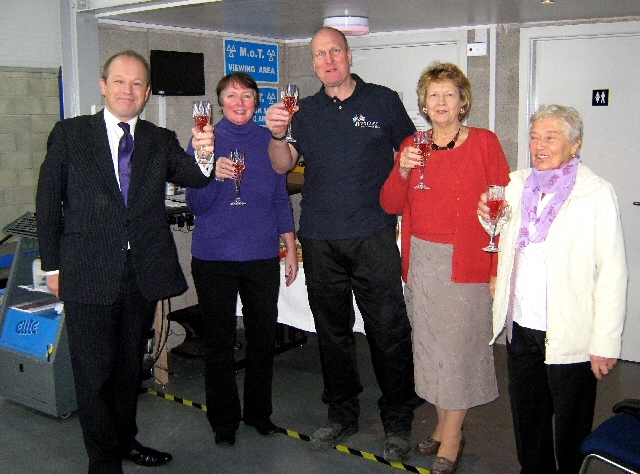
[(264, 427), (226, 437), (148, 457)]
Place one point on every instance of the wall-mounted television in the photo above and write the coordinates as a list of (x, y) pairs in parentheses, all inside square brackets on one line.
[(176, 73)]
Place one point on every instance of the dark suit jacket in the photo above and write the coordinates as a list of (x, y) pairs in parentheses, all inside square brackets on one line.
[(83, 223)]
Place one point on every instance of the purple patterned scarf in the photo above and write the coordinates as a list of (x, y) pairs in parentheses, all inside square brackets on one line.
[(559, 181)]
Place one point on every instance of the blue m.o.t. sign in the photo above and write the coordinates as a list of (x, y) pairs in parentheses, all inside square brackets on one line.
[(268, 97), (259, 60)]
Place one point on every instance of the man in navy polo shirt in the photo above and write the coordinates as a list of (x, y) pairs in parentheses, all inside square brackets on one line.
[(347, 133)]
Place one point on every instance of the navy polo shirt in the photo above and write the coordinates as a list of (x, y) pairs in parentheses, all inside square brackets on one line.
[(348, 149)]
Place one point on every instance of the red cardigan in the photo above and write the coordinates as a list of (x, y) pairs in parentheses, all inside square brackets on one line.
[(481, 162)]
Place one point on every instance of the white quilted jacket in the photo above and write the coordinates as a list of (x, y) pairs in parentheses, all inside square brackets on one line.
[(586, 270)]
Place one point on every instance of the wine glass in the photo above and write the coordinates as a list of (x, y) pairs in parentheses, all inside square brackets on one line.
[(497, 207), (237, 156), (421, 140), (201, 118), (289, 94)]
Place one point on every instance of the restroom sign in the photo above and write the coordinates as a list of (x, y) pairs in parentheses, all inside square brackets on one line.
[(259, 60), (600, 98)]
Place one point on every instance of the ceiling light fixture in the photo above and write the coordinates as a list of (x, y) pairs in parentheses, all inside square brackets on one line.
[(349, 25), (547, 2)]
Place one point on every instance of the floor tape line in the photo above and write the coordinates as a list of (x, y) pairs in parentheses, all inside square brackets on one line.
[(303, 437), (173, 398)]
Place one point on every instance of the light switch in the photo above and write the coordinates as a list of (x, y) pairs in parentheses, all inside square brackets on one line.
[(476, 49)]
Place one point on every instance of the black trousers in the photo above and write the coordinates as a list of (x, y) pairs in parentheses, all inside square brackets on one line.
[(370, 267), (106, 343), (547, 396), (218, 284)]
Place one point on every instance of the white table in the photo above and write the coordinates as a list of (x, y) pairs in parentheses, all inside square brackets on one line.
[(293, 304)]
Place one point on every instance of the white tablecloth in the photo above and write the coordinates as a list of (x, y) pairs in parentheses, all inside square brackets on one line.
[(293, 305)]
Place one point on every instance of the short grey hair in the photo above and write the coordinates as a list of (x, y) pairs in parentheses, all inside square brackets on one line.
[(567, 115)]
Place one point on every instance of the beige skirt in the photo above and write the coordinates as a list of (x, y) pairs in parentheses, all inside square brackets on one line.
[(451, 323)]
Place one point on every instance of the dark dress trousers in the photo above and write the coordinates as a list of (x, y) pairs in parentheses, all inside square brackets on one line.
[(115, 261)]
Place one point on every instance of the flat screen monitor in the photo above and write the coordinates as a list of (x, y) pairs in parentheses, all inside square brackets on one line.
[(176, 73)]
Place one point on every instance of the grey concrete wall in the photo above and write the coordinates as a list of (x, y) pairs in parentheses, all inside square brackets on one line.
[(299, 68), (508, 90), (29, 108), (479, 77)]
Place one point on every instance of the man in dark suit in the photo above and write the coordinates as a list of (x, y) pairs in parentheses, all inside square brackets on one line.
[(101, 224)]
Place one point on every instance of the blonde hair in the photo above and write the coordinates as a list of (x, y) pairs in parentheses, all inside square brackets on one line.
[(441, 72)]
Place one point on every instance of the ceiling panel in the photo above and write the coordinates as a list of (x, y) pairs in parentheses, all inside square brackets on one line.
[(295, 19)]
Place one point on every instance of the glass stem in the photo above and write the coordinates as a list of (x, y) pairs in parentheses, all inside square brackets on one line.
[(202, 154)]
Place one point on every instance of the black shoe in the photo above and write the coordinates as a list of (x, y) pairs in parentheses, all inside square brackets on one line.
[(331, 435), (226, 437), (397, 446), (264, 426), (148, 457)]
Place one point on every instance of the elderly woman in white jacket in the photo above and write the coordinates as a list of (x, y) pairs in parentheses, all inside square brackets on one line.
[(560, 292)]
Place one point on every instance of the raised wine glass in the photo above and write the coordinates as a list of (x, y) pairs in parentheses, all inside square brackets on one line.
[(289, 94), (421, 141), (201, 118), (497, 207), (237, 156)]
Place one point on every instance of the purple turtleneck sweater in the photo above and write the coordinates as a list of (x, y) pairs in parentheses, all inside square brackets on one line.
[(241, 233)]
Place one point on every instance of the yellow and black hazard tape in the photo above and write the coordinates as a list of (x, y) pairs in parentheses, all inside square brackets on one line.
[(380, 459), (166, 396), (303, 437)]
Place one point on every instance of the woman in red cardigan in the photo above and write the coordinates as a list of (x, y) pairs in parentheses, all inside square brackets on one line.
[(446, 271)]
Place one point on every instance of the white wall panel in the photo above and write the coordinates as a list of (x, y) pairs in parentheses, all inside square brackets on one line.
[(30, 34)]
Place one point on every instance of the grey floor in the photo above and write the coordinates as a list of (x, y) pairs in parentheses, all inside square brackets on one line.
[(34, 443)]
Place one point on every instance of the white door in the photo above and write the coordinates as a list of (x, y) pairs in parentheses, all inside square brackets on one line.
[(396, 61), (565, 65)]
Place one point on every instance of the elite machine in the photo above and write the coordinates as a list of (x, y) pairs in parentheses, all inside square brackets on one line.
[(35, 365)]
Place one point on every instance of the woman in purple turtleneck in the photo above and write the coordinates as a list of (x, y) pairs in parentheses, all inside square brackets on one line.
[(235, 251)]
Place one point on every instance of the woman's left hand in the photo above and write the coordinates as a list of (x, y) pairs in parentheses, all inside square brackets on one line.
[(602, 365), (291, 266)]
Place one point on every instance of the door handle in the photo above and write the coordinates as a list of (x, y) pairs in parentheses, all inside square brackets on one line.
[(636, 203)]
